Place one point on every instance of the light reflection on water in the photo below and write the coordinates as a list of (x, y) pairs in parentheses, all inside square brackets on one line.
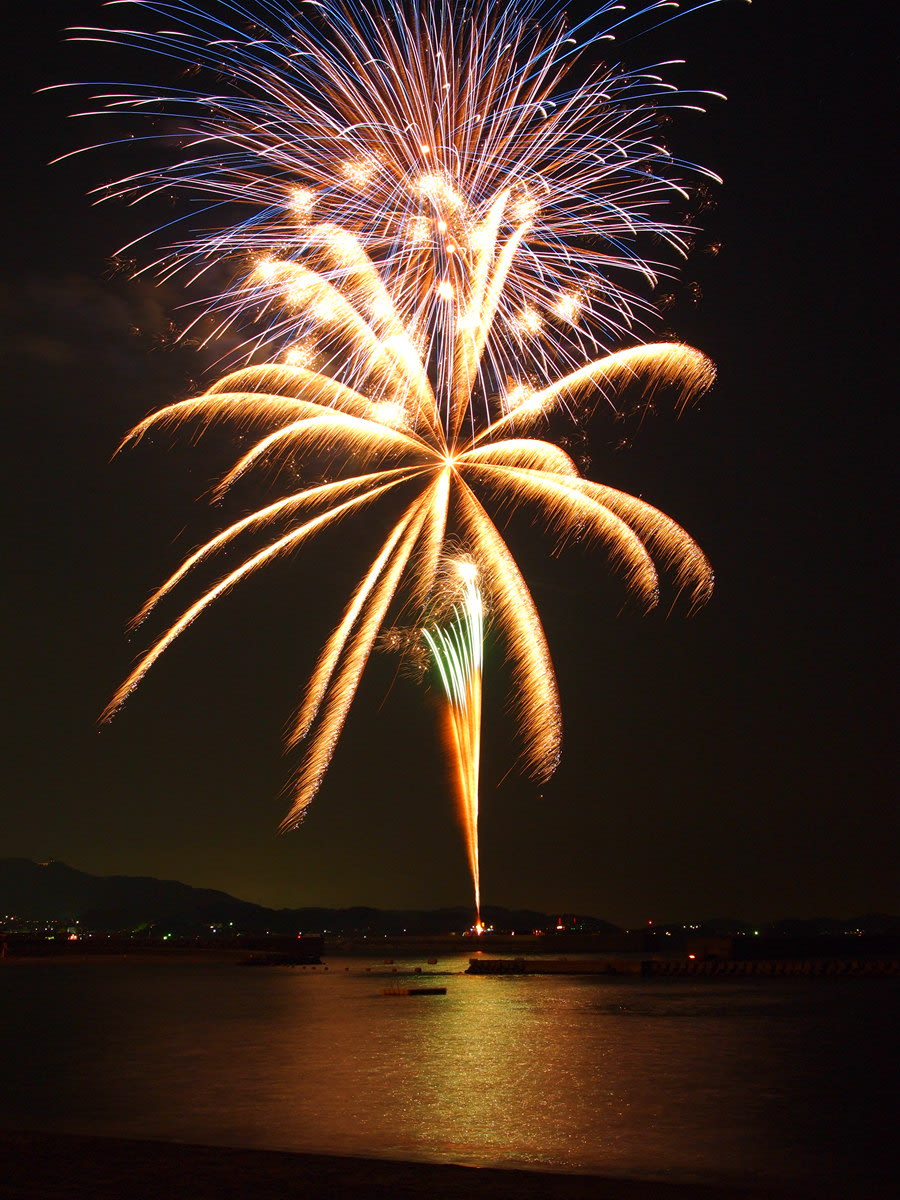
[(682, 1079)]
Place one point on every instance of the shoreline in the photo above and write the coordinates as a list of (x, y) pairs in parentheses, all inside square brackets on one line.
[(50, 1166), (338, 963), (125, 956)]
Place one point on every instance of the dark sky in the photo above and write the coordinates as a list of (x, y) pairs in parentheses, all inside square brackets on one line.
[(737, 763)]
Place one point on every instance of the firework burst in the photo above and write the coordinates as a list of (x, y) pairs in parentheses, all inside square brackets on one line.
[(425, 132), (442, 485), (437, 239)]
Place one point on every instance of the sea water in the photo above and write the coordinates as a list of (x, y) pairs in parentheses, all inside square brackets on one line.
[(787, 1081)]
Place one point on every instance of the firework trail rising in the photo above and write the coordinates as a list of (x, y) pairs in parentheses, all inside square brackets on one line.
[(457, 650), (436, 241)]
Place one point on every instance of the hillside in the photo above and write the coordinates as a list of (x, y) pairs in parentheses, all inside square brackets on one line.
[(54, 891)]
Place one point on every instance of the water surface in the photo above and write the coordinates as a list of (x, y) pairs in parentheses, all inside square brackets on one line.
[(786, 1081)]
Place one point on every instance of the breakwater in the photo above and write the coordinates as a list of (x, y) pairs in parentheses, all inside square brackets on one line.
[(251, 949), (756, 968)]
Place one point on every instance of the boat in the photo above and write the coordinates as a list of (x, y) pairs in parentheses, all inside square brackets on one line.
[(414, 991)]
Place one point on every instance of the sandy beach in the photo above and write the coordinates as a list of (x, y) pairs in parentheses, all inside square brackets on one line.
[(43, 1166)]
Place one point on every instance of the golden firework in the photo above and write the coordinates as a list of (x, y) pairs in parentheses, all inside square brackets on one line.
[(440, 246), (445, 468)]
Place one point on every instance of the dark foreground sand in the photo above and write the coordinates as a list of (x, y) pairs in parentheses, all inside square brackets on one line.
[(38, 1166)]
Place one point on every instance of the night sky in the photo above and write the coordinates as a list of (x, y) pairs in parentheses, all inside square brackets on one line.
[(736, 763)]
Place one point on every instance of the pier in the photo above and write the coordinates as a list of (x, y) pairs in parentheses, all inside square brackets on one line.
[(736, 968)]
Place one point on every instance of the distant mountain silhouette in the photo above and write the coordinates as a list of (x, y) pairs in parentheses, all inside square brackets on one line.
[(55, 891)]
